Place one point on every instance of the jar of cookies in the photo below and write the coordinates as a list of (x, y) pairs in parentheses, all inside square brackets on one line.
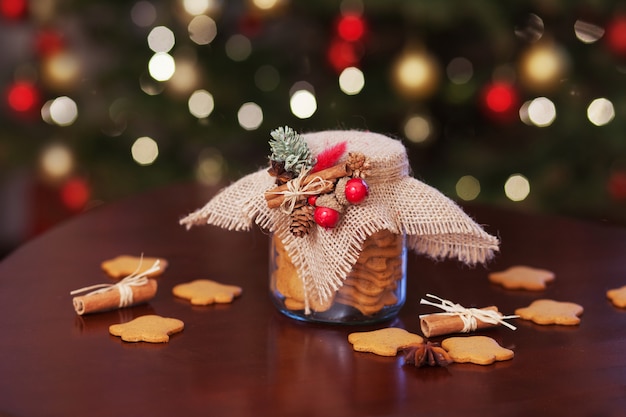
[(374, 289), (342, 211)]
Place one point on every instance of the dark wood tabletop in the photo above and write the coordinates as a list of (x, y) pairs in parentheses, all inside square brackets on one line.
[(246, 359)]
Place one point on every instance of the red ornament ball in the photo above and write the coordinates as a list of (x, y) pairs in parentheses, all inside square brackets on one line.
[(500, 101), (326, 217), (312, 199), (616, 35), (617, 185), (356, 190)]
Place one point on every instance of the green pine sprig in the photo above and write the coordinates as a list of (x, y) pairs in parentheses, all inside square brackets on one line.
[(290, 148)]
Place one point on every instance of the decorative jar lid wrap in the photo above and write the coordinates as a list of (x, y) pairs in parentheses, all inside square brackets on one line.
[(434, 224)]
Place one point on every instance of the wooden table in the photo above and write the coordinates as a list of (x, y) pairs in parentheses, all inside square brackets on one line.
[(246, 359)]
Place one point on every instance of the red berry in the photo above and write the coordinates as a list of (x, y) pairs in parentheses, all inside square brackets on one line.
[(356, 190), (326, 217), (312, 200)]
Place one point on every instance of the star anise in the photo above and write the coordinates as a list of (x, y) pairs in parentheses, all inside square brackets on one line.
[(427, 354)]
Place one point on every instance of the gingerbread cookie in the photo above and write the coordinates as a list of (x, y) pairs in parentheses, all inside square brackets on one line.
[(522, 277), (617, 296), (480, 350), (124, 265), (202, 292), (384, 342), (551, 312), (150, 328)]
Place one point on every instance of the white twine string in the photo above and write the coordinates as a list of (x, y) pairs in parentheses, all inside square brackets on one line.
[(295, 190), (124, 286), (469, 316)]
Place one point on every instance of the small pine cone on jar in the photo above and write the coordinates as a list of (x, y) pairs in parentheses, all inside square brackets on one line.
[(302, 219), (359, 164)]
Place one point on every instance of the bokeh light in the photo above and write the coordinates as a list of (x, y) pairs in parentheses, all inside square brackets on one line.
[(63, 111), (467, 188), (56, 162), (144, 150), (61, 70), (517, 187), (418, 128), (587, 32), (161, 66), (351, 81), (143, 14), (351, 27), (238, 48), (186, 76), (161, 39), (22, 96), (210, 168), (199, 7), (266, 4), (416, 74), (460, 70), (530, 28), (303, 104), (600, 112), (541, 112), (201, 104), (202, 30), (543, 66), (75, 193), (250, 116)]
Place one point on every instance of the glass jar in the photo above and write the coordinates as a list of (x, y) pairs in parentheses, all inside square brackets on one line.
[(373, 291)]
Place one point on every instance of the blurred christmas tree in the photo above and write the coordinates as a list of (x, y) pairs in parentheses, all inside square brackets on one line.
[(514, 103)]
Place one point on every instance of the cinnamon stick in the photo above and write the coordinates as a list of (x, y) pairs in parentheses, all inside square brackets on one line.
[(276, 198), (109, 300), (438, 324)]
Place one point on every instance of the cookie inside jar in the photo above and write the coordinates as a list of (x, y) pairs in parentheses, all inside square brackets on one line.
[(373, 291)]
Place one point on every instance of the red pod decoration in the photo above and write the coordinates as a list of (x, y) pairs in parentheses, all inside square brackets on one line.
[(356, 190)]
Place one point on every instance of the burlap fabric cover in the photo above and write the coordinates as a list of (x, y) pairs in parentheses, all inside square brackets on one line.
[(434, 225)]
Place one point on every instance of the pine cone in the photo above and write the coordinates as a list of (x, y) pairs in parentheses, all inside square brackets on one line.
[(359, 164), (302, 219)]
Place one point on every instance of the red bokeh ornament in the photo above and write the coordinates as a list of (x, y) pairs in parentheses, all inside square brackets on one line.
[(500, 101), (13, 9), (326, 217), (351, 27), (617, 185), (23, 97), (356, 190), (616, 35), (75, 194), (49, 42)]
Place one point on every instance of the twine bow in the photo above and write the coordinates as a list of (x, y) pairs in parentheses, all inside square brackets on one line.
[(296, 189), (124, 286), (469, 316)]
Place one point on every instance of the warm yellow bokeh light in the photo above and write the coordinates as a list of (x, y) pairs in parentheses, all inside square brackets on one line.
[(467, 188), (517, 187), (416, 74)]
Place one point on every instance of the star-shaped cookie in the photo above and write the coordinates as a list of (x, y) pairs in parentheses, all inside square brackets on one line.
[(150, 328), (203, 292), (124, 265), (522, 277), (551, 312), (617, 296), (480, 350), (384, 342)]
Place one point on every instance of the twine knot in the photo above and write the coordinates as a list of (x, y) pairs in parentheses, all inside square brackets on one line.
[(124, 286), (469, 316), (297, 188)]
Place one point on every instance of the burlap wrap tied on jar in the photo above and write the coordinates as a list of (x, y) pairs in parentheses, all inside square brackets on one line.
[(433, 224)]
